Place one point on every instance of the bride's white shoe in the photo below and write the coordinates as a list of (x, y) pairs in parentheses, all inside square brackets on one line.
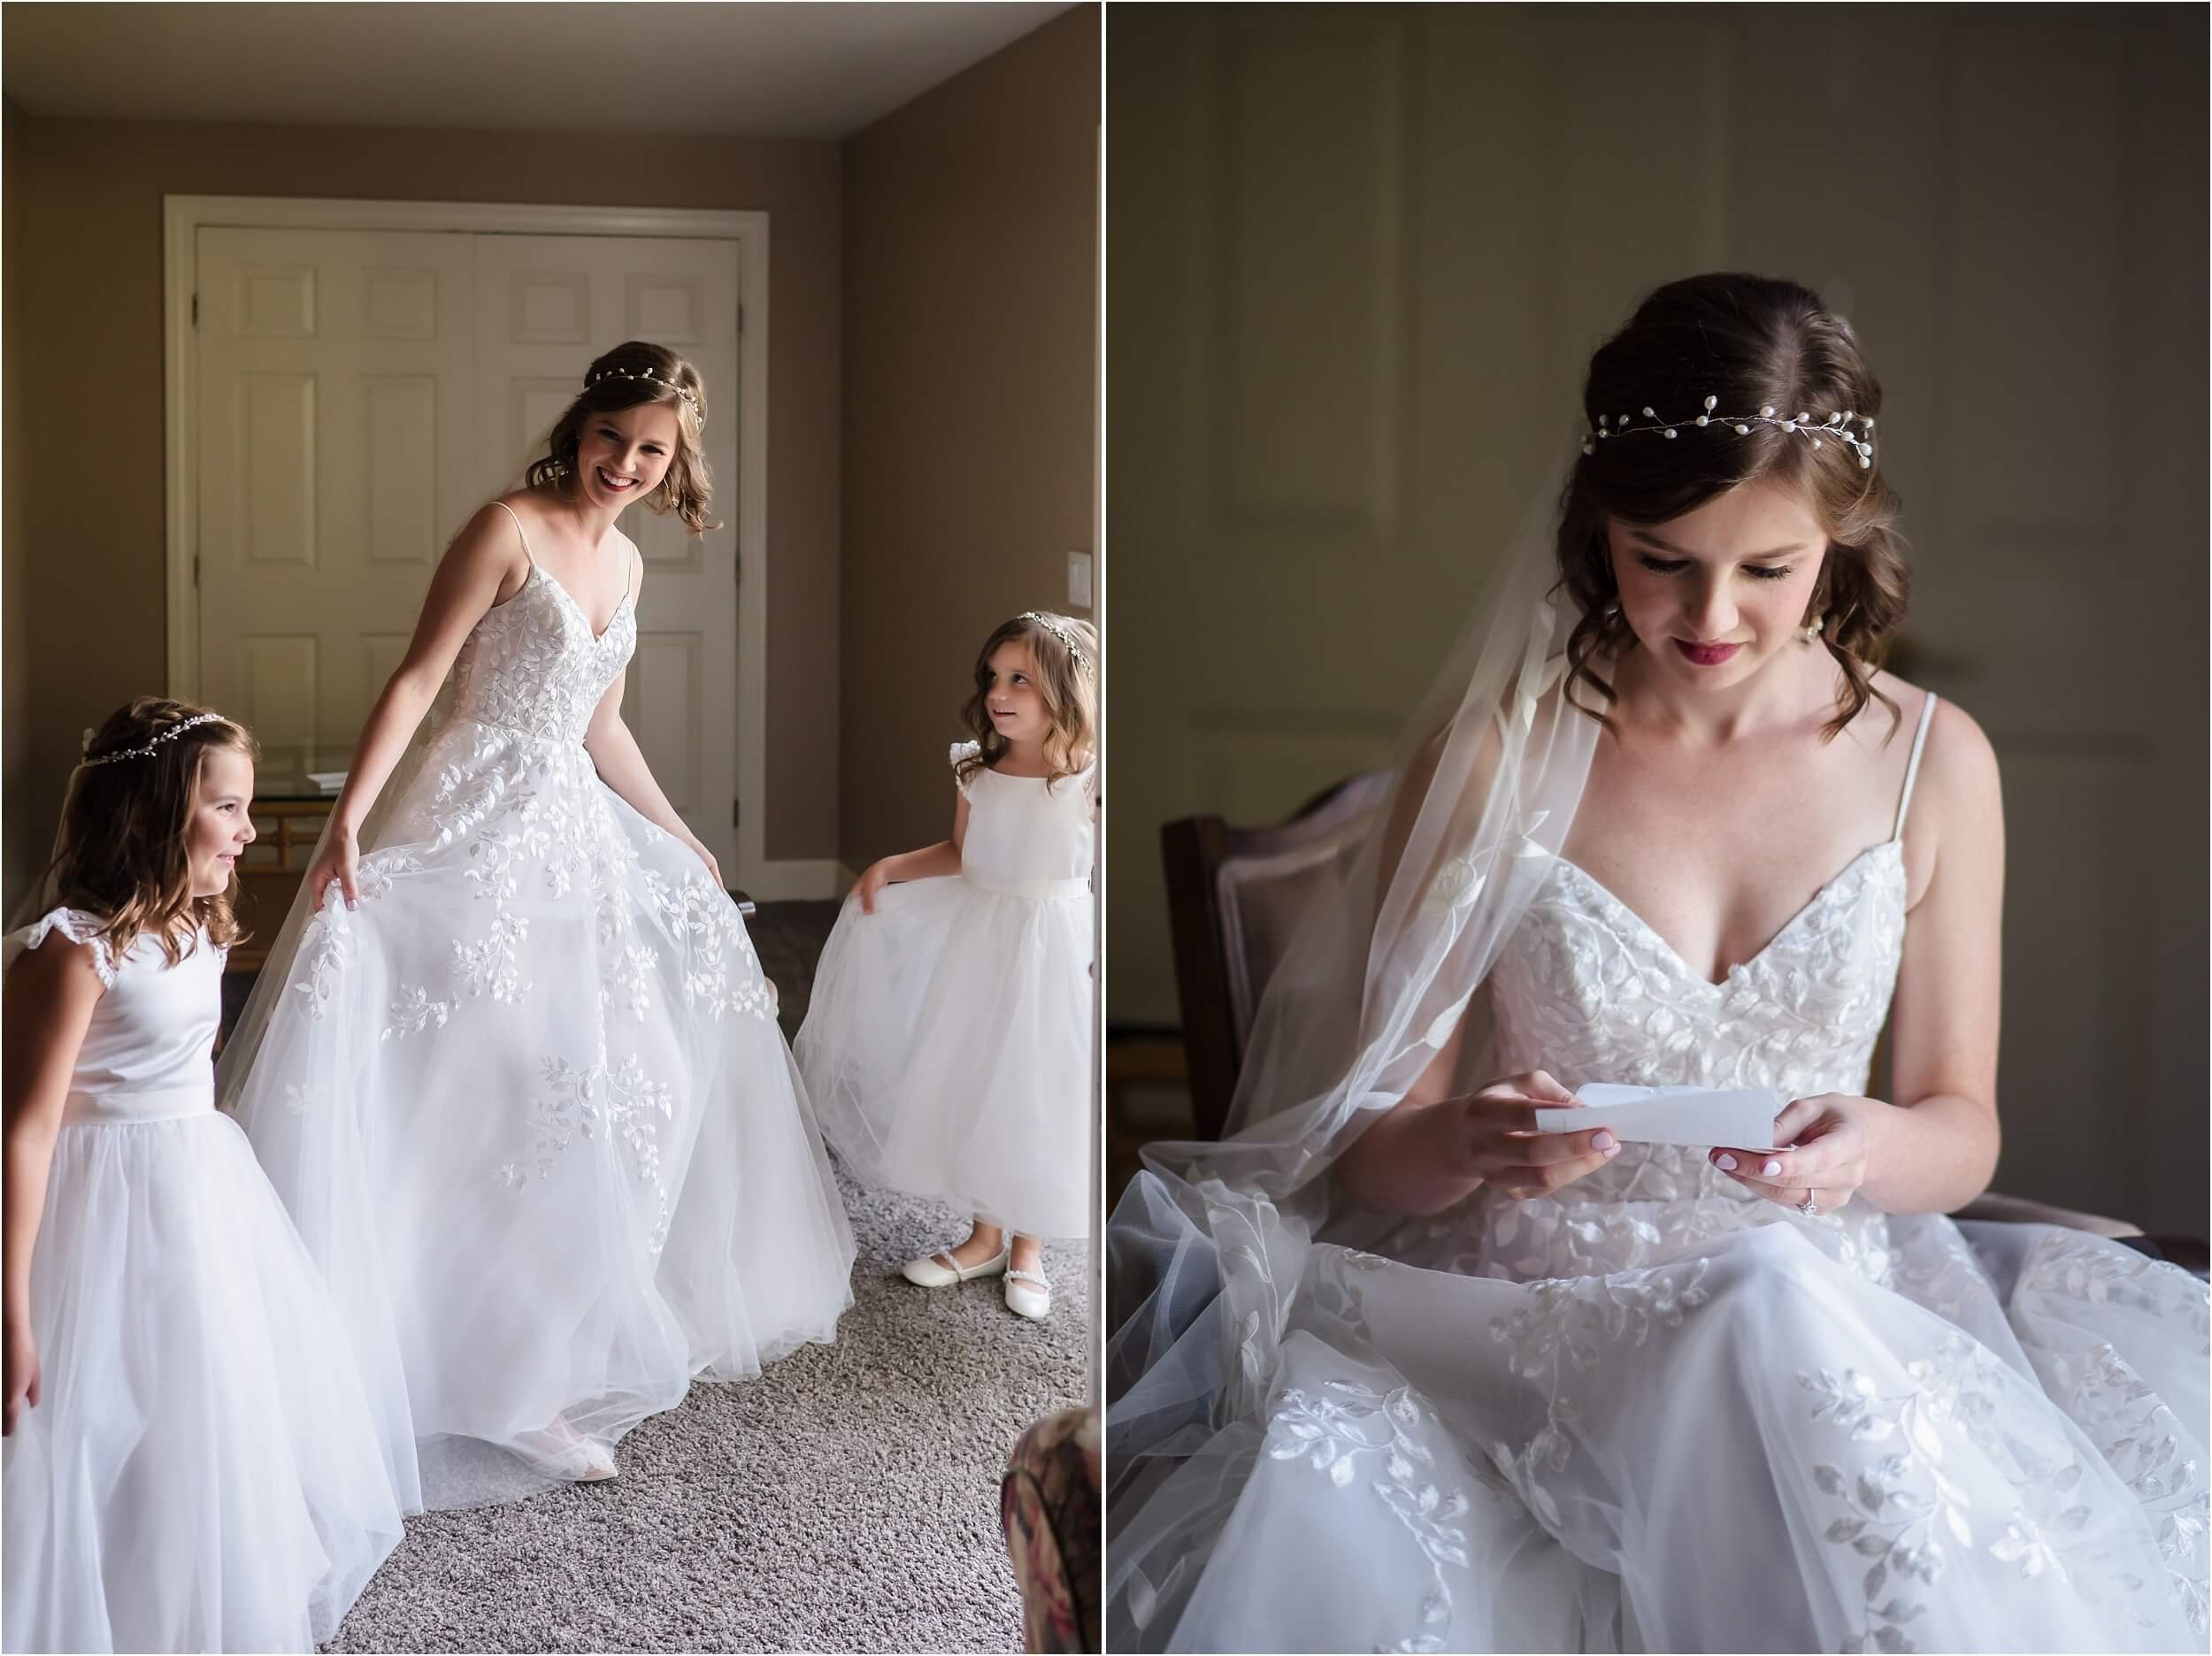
[(1024, 1299), (941, 1270), (561, 1453)]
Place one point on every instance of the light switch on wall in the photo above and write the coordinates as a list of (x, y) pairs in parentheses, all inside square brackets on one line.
[(1078, 580)]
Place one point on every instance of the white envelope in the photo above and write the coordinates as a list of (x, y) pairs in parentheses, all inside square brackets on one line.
[(1704, 1116)]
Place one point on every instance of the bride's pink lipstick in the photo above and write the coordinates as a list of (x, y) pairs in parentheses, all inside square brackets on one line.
[(1707, 655)]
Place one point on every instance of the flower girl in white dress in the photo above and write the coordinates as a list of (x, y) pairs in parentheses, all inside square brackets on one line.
[(947, 1042), (191, 1460), (523, 1087)]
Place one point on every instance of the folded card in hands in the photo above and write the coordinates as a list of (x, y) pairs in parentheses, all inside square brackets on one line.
[(1740, 1119)]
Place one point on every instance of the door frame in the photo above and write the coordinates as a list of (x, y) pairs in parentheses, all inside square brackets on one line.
[(183, 217)]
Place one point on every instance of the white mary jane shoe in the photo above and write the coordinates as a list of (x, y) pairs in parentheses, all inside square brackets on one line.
[(941, 1270), (1035, 1303)]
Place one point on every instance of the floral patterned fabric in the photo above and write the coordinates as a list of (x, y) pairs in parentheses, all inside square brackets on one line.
[(1048, 1504)]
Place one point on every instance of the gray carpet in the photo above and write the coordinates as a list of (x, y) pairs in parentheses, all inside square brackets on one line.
[(847, 1500)]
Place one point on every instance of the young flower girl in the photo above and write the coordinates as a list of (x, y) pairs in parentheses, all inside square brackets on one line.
[(947, 1043), (191, 1463)]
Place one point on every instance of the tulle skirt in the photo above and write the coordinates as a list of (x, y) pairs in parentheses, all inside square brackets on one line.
[(203, 1471), (530, 1108), (1909, 1434), (947, 1047)]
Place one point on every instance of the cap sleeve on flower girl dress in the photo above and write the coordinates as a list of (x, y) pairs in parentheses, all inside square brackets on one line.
[(964, 751), (77, 928)]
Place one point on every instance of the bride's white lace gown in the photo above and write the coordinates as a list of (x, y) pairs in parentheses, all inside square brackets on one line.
[(1653, 1412), (529, 1105)]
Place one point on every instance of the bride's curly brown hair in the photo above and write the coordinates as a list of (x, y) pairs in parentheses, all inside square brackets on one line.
[(617, 380), (1753, 343)]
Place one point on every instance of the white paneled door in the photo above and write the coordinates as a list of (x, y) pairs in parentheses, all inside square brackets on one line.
[(336, 461), (360, 393)]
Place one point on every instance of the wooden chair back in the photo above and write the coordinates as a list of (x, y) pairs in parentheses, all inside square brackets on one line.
[(1235, 896)]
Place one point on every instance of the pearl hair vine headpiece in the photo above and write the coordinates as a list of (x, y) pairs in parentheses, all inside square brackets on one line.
[(169, 735), (1836, 425), (684, 392), (1066, 638)]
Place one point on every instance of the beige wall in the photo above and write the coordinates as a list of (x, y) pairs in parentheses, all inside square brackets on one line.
[(971, 224), (83, 551), (24, 839)]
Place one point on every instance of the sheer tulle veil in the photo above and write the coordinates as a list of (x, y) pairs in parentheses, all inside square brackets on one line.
[(1206, 1250)]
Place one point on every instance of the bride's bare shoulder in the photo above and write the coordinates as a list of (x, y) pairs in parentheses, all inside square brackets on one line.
[(1958, 783)]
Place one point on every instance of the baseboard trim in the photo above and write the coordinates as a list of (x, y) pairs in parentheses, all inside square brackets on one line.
[(799, 879)]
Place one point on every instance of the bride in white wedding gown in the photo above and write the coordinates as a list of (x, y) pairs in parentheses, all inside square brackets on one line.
[(1395, 1371), (517, 1077)]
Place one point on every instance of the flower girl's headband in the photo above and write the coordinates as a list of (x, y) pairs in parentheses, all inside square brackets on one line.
[(1066, 638), (684, 392), (1837, 425), (169, 735)]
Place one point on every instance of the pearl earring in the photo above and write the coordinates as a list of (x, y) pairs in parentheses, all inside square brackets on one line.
[(1813, 626)]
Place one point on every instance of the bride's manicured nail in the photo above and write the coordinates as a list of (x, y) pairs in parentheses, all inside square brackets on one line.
[(1771, 1168), (1604, 1141), (1725, 1162)]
